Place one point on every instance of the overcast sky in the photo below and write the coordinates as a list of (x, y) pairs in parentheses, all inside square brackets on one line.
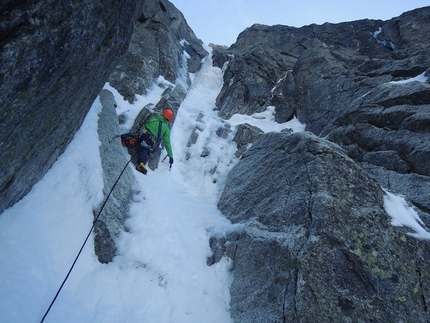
[(221, 21)]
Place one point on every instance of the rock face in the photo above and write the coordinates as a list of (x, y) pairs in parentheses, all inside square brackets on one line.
[(346, 83), (317, 242), (111, 219), (160, 37), (56, 57), (316, 71)]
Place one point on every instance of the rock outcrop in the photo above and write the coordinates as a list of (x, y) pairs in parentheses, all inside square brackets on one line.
[(118, 182), (346, 82), (160, 38), (56, 57), (316, 71), (317, 242)]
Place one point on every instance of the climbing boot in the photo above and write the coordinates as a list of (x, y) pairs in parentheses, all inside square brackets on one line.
[(141, 168)]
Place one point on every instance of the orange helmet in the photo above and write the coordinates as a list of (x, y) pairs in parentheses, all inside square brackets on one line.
[(168, 114)]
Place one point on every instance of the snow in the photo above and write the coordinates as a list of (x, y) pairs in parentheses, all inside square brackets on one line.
[(160, 273), (403, 214), (384, 42), (419, 78), (266, 121)]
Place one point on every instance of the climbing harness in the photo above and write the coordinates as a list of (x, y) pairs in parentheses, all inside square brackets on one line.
[(149, 140)]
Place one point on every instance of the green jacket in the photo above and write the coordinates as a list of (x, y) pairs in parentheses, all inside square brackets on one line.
[(152, 126)]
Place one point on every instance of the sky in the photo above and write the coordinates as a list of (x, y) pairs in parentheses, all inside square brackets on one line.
[(160, 274), (221, 21)]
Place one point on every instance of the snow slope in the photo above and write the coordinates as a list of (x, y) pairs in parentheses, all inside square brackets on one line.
[(160, 274)]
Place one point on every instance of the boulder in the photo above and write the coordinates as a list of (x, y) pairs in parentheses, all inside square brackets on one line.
[(245, 135), (316, 239)]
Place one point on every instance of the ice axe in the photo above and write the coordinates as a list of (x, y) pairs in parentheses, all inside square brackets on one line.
[(170, 167)]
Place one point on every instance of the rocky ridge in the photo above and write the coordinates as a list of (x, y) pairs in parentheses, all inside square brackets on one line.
[(317, 241), (345, 83)]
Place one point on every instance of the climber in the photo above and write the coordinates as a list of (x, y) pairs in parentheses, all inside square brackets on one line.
[(149, 139)]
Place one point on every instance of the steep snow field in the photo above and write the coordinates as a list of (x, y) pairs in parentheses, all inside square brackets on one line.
[(160, 274)]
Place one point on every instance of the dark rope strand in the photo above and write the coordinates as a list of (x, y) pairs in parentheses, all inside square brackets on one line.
[(86, 239), (114, 137)]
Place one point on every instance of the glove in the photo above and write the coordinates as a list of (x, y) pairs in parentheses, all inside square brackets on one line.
[(171, 160)]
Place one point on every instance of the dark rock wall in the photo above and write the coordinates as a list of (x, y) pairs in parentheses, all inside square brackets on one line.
[(317, 243), (336, 78), (320, 68), (118, 182), (160, 36), (55, 58)]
